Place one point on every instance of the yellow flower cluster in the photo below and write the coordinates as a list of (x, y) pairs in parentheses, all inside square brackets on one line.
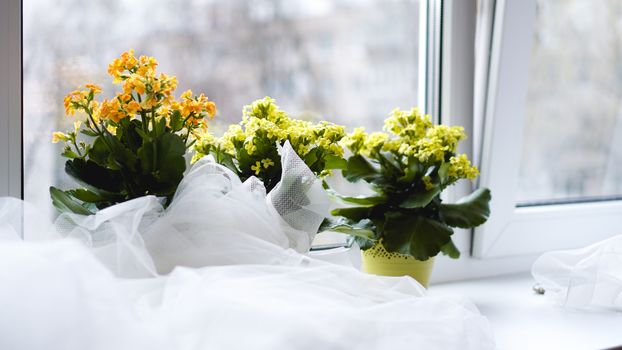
[(412, 135), (359, 142), (409, 125), (264, 125), (460, 168)]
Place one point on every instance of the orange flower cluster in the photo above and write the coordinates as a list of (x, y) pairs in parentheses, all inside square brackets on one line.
[(81, 99), (145, 95), (192, 107), (144, 92)]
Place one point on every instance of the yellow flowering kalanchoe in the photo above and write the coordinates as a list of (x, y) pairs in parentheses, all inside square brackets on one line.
[(408, 166), (250, 147), (133, 143), (412, 138)]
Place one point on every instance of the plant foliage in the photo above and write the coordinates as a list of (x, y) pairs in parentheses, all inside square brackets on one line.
[(408, 167)]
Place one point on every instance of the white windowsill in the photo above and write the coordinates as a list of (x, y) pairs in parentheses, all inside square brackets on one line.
[(522, 319)]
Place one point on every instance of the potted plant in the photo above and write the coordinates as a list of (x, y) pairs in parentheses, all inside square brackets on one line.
[(251, 148), (288, 156), (405, 223), (131, 145)]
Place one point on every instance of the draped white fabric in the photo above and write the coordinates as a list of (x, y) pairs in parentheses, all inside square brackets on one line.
[(589, 277), (220, 268)]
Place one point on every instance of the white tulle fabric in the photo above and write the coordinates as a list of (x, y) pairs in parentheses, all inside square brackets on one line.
[(589, 277), (220, 268)]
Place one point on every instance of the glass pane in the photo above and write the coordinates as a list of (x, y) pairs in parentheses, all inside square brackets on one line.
[(573, 138), (347, 61)]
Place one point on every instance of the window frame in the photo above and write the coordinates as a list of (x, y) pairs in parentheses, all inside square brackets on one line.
[(458, 105), (514, 230), (11, 99)]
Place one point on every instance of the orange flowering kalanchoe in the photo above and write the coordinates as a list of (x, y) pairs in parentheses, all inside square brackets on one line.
[(137, 130), (145, 94)]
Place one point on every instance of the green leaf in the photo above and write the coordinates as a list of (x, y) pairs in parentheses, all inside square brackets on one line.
[(122, 156), (163, 159), (225, 159), (176, 122), (88, 132), (390, 166), (128, 135), (94, 176), (66, 203), (98, 197), (143, 135), (311, 157), (470, 211), (85, 195), (417, 236), (412, 170), (420, 199), (335, 162), (353, 213), (363, 228), (360, 200), (358, 168), (160, 127), (68, 153), (443, 172), (450, 250), (99, 151)]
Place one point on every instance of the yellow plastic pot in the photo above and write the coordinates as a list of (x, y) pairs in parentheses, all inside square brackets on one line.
[(376, 260)]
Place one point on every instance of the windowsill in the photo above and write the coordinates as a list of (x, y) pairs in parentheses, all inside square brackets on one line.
[(522, 319)]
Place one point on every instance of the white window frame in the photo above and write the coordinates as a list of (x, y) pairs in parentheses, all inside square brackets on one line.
[(11, 98), (459, 103), (514, 230)]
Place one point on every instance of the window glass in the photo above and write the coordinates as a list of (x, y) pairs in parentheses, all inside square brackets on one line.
[(347, 61), (572, 149)]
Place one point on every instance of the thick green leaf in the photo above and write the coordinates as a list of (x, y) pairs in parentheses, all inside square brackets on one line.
[(391, 167), (97, 197), (176, 122), (143, 134), (335, 162), (443, 172), (311, 157), (68, 153), (360, 200), (412, 170), (128, 135), (66, 203), (470, 211), (85, 195), (122, 155), (99, 151), (224, 158), (94, 176), (450, 250), (364, 228), (358, 168), (353, 213), (164, 159), (420, 199), (89, 132), (417, 236), (160, 127)]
